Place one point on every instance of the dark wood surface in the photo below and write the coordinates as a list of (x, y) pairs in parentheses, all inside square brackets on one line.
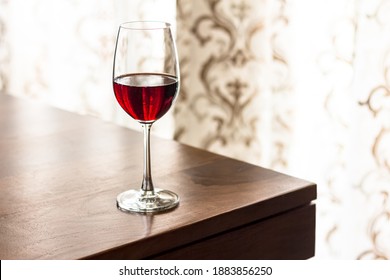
[(60, 174), (286, 236)]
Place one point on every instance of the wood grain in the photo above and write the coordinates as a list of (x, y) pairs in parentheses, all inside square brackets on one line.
[(60, 174), (269, 239)]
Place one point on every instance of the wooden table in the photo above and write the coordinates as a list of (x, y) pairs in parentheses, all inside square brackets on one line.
[(60, 174)]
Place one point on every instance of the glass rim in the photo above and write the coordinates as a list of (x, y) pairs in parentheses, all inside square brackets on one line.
[(145, 25)]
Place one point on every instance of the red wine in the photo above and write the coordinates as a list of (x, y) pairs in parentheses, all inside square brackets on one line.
[(145, 97)]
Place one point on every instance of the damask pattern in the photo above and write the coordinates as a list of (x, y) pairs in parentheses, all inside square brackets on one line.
[(337, 65), (320, 131), (376, 181), (281, 87), (221, 55)]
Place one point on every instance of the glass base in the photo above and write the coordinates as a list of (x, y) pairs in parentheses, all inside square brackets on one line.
[(146, 201)]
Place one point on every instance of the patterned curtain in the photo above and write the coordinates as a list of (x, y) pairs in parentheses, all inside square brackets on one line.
[(60, 52), (299, 86), (302, 87)]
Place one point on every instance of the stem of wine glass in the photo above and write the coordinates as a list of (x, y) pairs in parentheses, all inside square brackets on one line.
[(147, 183)]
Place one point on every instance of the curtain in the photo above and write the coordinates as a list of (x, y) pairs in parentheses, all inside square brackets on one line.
[(60, 52), (302, 87)]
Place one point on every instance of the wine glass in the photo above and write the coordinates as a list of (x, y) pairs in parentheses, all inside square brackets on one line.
[(146, 83)]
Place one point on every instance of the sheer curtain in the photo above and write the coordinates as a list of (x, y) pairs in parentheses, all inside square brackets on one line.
[(302, 87), (60, 52)]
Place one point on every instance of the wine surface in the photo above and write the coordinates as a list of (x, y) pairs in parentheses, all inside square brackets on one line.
[(146, 97)]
